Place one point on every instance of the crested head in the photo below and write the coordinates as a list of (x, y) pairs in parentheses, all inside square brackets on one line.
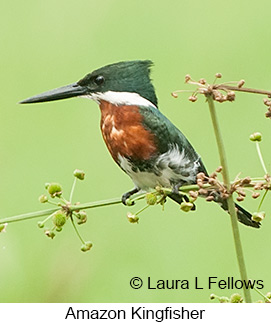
[(123, 83), (117, 81)]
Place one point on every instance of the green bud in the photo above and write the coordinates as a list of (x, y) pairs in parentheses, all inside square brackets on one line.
[(236, 298), (54, 189), (213, 296), (40, 224), (186, 206), (58, 229), (132, 218), (268, 295), (256, 136), (43, 198), (49, 234), (223, 299), (80, 174), (129, 202), (82, 217), (46, 185), (59, 218), (258, 216), (86, 246), (3, 227), (151, 198)]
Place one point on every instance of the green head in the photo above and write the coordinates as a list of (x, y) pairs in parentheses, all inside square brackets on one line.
[(119, 83)]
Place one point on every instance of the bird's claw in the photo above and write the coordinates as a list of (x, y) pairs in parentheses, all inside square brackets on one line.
[(127, 195)]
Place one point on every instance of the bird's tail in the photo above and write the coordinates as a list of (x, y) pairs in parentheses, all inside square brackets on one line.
[(243, 216)]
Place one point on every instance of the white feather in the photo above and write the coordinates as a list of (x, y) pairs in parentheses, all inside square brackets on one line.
[(120, 98), (146, 180)]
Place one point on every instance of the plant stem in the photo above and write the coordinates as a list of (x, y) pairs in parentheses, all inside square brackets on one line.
[(72, 189), (28, 216), (114, 201), (260, 293), (242, 89), (261, 157), (260, 205), (231, 205), (76, 230)]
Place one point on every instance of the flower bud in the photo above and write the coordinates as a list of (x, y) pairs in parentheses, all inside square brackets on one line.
[(245, 180), (82, 217), (174, 94), (151, 198), (258, 216), (50, 234), (54, 189), (41, 224), (256, 136), (241, 83), (129, 202), (59, 218), (268, 114), (193, 195), (86, 246), (187, 78), (132, 218), (218, 75), (210, 198), (219, 169), (268, 295), (223, 299), (201, 176), (255, 195), (230, 96), (192, 98), (43, 198), (202, 81), (186, 206), (203, 191), (3, 227), (79, 174), (236, 298), (267, 102), (213, 296)]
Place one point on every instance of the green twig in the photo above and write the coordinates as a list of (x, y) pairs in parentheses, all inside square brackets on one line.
[(108, 202), (27, 216), (231, 205), (76, 230), (260, 293), (261, 157), (260, 205), (72, 189)]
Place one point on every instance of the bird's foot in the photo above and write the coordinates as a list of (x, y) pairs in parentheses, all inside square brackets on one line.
[(183, 197), (175, 191), (127, 195)]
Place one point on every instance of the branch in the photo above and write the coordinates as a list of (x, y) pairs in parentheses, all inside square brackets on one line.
[(113, 201), (241, 89), (231, 205)]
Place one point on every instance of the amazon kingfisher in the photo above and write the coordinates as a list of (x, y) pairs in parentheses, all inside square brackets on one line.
[(141, 140)]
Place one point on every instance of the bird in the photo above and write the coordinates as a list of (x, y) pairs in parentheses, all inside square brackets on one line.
[(142, 141)]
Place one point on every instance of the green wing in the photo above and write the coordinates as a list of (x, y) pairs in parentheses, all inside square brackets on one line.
[(167, 135)]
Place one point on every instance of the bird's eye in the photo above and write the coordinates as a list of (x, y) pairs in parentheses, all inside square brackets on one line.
[(99, 80)]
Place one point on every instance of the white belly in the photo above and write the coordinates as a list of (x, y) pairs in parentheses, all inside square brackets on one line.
[(169, 169)]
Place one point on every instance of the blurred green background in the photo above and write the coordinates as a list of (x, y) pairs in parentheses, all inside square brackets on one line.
[(46, 44)]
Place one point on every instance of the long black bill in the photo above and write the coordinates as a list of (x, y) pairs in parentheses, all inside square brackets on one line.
[(60, 93)]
